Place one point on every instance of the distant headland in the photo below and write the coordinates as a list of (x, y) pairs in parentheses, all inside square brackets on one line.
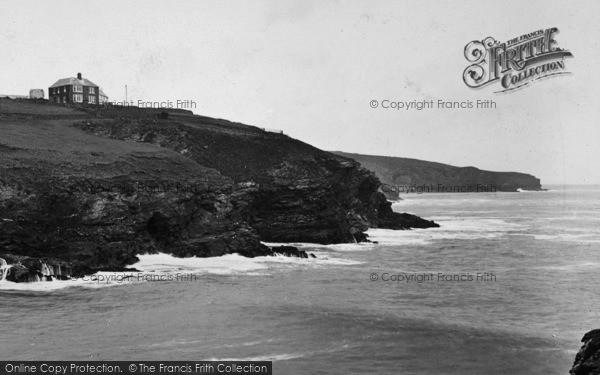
[(404, 175)]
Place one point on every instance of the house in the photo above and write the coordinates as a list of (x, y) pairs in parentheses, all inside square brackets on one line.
[(74, 90), (103, 97)]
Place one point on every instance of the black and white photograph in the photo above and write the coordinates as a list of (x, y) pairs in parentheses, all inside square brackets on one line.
[(291, 187)]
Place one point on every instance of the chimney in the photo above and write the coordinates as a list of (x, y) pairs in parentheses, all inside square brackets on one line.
[(79, 76)]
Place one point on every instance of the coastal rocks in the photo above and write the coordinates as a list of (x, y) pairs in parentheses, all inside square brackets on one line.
[(27, 269), (23, 269), (286, 190), (97, 210), (379, 213), (94, 228), (587, 360), (96, 193), (290, 251), (406, 221)]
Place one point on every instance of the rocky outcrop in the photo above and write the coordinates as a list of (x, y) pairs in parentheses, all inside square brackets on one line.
[(26, 269), (403, 175), (291, 251), (101, 216), (95, 193), (288, 191), (587, 360)]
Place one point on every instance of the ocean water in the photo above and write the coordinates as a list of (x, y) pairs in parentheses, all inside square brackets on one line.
[(538, 255)]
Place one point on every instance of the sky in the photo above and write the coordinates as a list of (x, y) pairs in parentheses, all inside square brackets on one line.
[(312, 68)]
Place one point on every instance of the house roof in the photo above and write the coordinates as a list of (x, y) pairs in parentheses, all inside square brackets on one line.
[(102, 93), (73, 81)]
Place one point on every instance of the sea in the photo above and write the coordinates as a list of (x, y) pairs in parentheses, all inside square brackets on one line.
[(507, 285)]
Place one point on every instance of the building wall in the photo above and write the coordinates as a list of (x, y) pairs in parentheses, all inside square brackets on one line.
[(52, 94), (36, 94), (65, 94), (87, 95)]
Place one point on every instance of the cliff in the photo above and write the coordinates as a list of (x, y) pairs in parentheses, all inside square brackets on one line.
[(95, 187), (587, 360), (424, 176)]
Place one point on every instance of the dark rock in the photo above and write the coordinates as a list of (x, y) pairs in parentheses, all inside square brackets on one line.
[(27, 269), (290, 251), (312, 255), (587, 360), (19, 273)]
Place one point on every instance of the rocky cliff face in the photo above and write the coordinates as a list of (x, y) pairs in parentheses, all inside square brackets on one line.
[(587, 361), (292, 192), (98, 204), (95, 188), (401, 174)]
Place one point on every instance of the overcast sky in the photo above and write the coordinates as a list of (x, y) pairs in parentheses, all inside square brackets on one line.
[(311, 68)]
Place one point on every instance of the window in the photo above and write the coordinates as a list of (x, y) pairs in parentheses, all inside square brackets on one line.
[(77, 98), (92, 100), (92, 90), (77, 88), (64, 99)]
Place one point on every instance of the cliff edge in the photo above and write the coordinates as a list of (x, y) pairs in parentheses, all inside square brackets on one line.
[(95, 187)]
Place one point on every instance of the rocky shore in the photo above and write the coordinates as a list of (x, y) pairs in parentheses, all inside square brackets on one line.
[(587, 360), (83, 190)]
